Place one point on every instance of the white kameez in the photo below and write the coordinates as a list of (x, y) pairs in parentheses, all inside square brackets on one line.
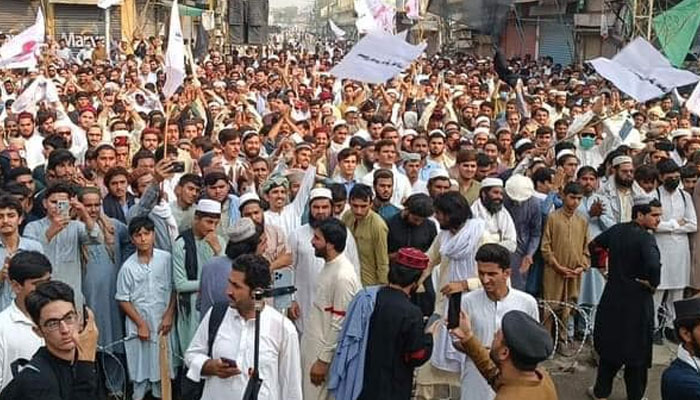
[(289, 219), (337, 285), (672, 238), (279, 356), (307, 266), (500, 228), (486, 315)]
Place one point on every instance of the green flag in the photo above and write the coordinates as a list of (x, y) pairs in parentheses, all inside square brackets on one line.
[(676, 29)]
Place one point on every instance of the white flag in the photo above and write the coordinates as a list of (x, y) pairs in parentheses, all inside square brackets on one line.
[(20, 51), (377, 58), (693, 102), (339, 33), (374, 16), (175, 55), (642, 72), (41, 89), (107, 3)]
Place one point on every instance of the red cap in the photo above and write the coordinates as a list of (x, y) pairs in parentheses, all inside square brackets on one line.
[(412, 258), (325, 96), (88, 109)]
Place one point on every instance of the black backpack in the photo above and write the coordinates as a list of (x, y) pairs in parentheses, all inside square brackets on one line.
[(190, 389)]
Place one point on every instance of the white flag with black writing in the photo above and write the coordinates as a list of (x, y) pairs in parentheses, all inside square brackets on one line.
[(377, 58), (175, 55)]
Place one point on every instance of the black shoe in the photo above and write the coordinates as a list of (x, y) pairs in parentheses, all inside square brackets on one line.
[(658, 337), (670, 335)]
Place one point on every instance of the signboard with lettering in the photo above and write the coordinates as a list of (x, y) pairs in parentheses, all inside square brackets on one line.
[(78, 41)]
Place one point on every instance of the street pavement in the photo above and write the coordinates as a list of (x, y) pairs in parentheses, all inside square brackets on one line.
[(573, 376)]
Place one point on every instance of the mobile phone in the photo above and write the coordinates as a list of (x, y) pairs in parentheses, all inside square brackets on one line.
[(453, 310), (283, 277), (177, 166), (231, 363), (63, 207)]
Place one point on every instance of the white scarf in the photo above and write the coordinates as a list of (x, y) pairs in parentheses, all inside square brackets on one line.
[(162, 210), (460, 250)]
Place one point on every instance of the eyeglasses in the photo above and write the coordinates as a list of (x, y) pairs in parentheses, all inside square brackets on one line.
[(69, 319)]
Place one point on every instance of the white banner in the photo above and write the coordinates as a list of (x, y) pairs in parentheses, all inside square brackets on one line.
[(642, 72), (20, 51), (175, 55), (377, 58), (41, 89)]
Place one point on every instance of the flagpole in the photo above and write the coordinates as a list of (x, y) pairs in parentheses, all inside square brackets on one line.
[(107, 34)]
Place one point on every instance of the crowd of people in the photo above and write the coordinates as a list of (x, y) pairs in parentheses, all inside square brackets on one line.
[(484, 189)]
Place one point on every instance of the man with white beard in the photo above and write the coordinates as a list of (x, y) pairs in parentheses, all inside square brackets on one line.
[(305, 264), (500, 228)]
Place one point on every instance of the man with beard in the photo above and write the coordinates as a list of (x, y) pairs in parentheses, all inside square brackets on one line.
[(274, 239), (681, 379), (436, 145), (336, 285), (191, 251), (412, 227), (625, 316), (677, 221), (680, 137), (385, 151), (618, 191), (489, 207), (452, 252), (383, 190), (304, 262), (33, 142), (250, 143), (486, 307)]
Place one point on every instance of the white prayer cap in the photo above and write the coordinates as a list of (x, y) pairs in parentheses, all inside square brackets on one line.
[(246, 197), (62, 123), (679, 133), (641, 199), (240, 83), (438, 173), (208, 206), (565, 152), (220, 84), (409, 132), (481, 131), (520, 188), (115, 134), (560, 93), (695, 131), (491, 182), (483, 120), (214, 103), (320, 193), (437, 132), (636, 146), (621, 160), (394, 92), (522, 142), (351, 109), (340, 122)]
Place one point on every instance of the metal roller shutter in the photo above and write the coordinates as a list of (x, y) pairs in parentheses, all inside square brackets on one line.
[(556, 40), (85, 23), (17, 15)]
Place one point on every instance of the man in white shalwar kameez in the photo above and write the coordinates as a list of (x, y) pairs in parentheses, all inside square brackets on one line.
[(677, 221), (306, 265), (283, 214), (337, 284), (489, 207), (452, 253), (486, 307)]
